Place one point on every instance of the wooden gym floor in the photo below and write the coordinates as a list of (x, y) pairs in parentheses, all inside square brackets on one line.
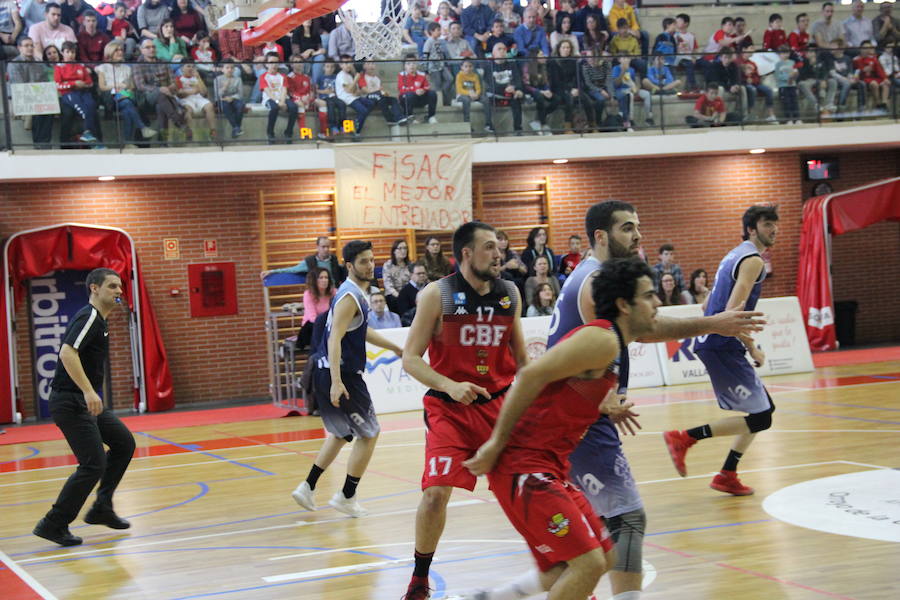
[(212, 515)]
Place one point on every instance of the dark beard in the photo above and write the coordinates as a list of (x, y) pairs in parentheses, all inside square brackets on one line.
[(617, 250), (484, 275)]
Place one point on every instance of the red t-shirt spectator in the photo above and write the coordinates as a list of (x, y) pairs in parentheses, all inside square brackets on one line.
[(188, 24), (750, 72), (66, 74), (707, 107), (299, 87), (773, 39), (204, 56), (273, 47), (568, 263), (798, 40), (119, 26), (407, 83), (869, 69), (715, 44)]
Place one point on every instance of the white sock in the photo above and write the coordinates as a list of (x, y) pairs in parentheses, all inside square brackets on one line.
[(525, 586), (627, 596)]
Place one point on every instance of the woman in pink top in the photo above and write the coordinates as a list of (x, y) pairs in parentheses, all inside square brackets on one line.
[(316, 300)]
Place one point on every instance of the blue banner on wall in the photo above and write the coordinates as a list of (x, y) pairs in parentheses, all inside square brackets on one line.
[(55, 298)]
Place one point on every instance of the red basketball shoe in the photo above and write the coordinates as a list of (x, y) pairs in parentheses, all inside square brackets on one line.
[(728, 482), (678, 443), (418, 589)]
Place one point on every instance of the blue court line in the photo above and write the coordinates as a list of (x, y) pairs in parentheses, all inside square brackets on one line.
[(34, 452), (889, 377), (802, 412), (708, 527), (223, 524), (194, 448), (162, 551)]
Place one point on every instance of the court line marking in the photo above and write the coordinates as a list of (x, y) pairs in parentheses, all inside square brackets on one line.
[(405, 511), (34, 452), (332, 570), (25, 577), (193, 448), (781, 468), (352, 548)]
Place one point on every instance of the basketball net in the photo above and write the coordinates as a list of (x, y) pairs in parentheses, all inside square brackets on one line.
[(381, 38)]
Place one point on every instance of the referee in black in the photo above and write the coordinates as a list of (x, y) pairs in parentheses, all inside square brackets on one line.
[(78, 411)]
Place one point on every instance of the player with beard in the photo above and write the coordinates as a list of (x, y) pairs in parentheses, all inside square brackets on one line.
[(470, 323), (737, 386), (598, 463)]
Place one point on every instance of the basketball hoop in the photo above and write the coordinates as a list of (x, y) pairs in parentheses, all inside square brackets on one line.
[(381, 38)]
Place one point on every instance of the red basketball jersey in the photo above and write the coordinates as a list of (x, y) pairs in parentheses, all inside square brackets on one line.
[(553, 425), (473, 344)]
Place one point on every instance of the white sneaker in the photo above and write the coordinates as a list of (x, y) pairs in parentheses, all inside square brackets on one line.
[(771, 119), (303, 496), (536, 125), (432, 120), (148, 132), (348, 506), (473, 595)]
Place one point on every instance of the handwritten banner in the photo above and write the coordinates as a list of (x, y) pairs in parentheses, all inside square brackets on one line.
[(394, 186), (35, 98)]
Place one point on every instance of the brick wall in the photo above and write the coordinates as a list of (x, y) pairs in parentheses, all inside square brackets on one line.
[(693, 202)]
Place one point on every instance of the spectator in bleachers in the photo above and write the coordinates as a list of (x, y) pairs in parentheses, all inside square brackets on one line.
[(50, 31), (725, 37), (786, 79), (470, 89), (564, 81), (594, 79), (591, 9), (774, 37), (150, 15), (668, 291), (564, 8), (457, 46), (316, 300), (25, 68), (51, 56), (826, 30), (686, 46), (741, 31), (91, 41), (542, 274), (813, 80), (530, 35), (623, 10), (435, 53), (156, 90), (697, 290), (115, 81), (230, 46), (301, 91), (667, 264), (476, 25), (841, 69), (194, 97), (370, 85), (123, 30), (543, 301), (511, 265), (659, 78), (504, 85), (751, 80), (564, 32), (74, 83), (709, 110), (32, 12), (169, 47), (536, 83), (418, 279), (340, 43), (568, 262), (73, 12), (10, 28), (322, 259), (625, 43), (272, 46), (625, 82), (445, 17), (872, 76), (395, 273), (229, 95), (346, 86), (414, 91), (508, 17), (273, 86), (189, 23), (414, 28), (380, 316), (727, 72), (886, 27), (306, 40), (798, 39), (857, 27), (665, 43), (499, 36), (595, 36), (205, 58), (327, 100), (536, 245), (436, 264)]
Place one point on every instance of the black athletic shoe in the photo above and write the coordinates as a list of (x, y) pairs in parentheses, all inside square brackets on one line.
[(106, 517), (55, 533)]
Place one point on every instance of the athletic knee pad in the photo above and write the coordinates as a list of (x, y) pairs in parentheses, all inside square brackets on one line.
[(627, 531), (348, 438), (759, 421)]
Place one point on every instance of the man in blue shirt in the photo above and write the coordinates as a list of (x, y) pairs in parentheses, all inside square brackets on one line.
[(379, 316), (530, 35), (476, 24)]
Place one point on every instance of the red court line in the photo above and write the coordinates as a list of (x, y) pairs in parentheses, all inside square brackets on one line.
[(14, 584), (855, 357)]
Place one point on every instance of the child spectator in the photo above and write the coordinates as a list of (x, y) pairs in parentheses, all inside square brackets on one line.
[(543, 301), (622, 10), (327, 100), (469, 89), (626, 87), (435, 52), (812, 77), (725, 37), (192, 95), (414, 28), (370, 85), (799, 38), (229, 92), (275, 47), (564, 32), (91, 41), (499, 36), (743, 35), (445, 17), (346, 85), (841, 70), (594, 78), (870, 73), (74, 83), (625, 43), (686, 46), (273, 87), (890, 63), (786, 79), (508, 17), (189, 24), (774, 37), (659, 78), (709, 110), (122, 29), (412, 85), (754, 86), (205, 57), (504, 85), (169, 47), (536, 82), (665, 43), (568, 262), (302, 92)]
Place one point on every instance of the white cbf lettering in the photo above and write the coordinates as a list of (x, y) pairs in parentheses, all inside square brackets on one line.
[(481, 335)]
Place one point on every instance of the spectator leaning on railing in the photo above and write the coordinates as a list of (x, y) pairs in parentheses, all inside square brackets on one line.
[(24, 68)]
